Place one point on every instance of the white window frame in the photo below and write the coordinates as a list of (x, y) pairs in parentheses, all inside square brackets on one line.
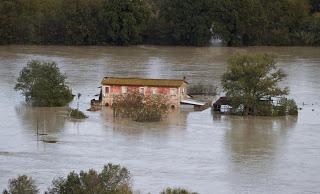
[(124, 89), (154, 91)]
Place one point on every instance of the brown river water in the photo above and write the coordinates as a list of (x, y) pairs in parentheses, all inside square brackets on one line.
[(200, 151)]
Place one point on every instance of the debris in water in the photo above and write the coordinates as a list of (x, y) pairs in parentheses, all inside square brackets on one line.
[(49, 141)]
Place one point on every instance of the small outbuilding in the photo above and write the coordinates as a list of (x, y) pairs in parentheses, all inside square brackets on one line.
[(222, 105)]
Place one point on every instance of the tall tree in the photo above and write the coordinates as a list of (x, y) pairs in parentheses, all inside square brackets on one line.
[(183, 22), (8, 19), (250, 78), (124, 21), (239, 22), (113, 179), (80, 19), (42, 84), (21, 185), (315, 5)]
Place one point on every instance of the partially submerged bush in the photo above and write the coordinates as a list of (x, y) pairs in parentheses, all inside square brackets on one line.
[(21, 185), (77, 114), (264, 108), (176, 191), (113, 179), (141, 108), (286, 107), (202, 89), (267, 107)]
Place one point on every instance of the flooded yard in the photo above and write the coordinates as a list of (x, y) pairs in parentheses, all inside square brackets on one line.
[(200, 151)]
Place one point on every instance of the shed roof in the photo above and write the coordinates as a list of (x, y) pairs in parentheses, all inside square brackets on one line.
[(142, 82), (221, 101), (192, 102)]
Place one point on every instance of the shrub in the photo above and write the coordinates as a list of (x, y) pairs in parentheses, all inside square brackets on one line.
[(21, 185), (264, 108), (43, 84), (177, 191), (141, 108), (286, 107), (292, 107), (77, 114), (202, 89), (113, 179)]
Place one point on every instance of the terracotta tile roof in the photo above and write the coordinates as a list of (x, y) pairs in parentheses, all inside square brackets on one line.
[(142, 82)]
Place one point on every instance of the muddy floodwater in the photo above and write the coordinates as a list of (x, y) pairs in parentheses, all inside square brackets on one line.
[(200, 151)]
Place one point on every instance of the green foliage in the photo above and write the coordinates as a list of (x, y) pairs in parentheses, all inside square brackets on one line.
[(113, 179), (202, 89), (286, 107), (250, 78), (77, 114), (181, 22), (73, 22), (21, 185), (173, 22), (239, 22), (141, 108), (265, 108), (42, 84), (258, 22), (315, 5), (124, 20), (176, 191)]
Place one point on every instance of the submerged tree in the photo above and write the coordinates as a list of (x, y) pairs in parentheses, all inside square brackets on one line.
[(251, 78), (21, 185), (43, 84)]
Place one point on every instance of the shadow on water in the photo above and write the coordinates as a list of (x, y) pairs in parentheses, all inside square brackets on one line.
[(42, 120)]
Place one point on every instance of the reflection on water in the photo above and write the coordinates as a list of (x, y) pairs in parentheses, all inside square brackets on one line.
[(46, 120), (196, 150), (175, 119), (251, 138)]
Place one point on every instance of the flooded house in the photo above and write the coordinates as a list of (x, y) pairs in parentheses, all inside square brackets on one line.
[(174, 89)]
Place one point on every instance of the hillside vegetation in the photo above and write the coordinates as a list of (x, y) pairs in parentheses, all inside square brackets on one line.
[(167, 22)]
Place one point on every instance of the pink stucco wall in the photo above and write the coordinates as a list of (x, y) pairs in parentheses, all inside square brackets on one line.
[(148, 90), (174, 100)]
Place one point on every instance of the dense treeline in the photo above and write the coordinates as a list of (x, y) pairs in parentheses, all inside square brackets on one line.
[(172, 22), (72, 22)]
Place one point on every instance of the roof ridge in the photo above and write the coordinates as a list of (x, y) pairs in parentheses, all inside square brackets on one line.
[(142, 81), (144, 78)]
